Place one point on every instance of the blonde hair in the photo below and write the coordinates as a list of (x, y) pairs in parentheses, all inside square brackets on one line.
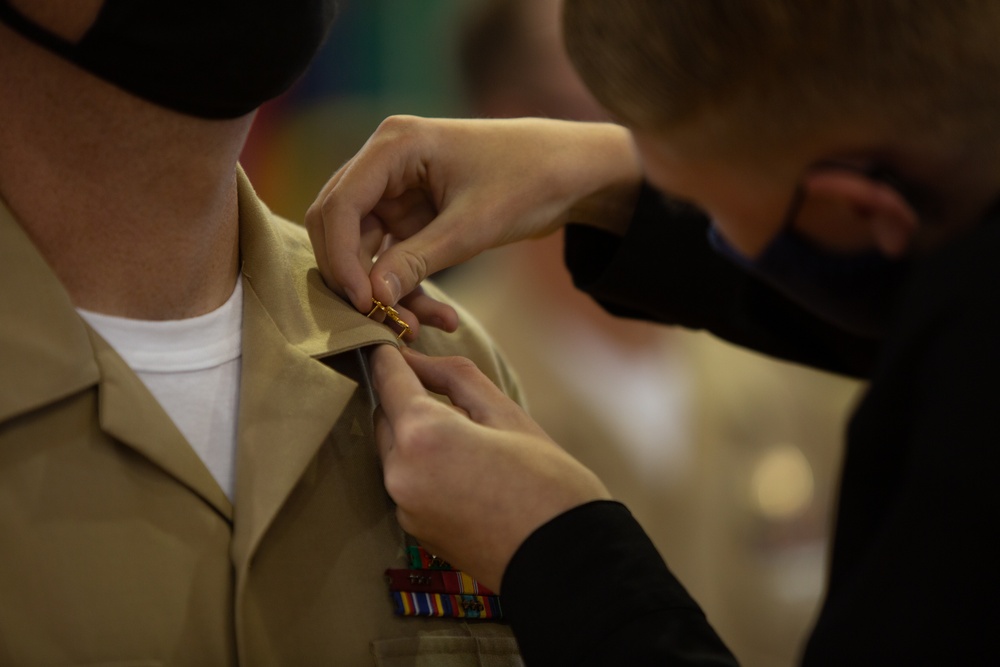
[(777, 68)]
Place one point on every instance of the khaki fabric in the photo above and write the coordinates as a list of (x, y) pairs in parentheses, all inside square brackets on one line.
[(118, 547)]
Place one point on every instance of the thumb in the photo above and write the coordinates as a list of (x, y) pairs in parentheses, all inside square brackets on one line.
[(443, 243), (468, 388)]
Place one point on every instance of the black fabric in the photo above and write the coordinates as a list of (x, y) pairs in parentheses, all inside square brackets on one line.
[(665, 270), (610, 585), (207, 58), (914, 577)]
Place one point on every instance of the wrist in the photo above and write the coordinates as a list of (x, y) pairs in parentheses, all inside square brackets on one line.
[(611, 186)]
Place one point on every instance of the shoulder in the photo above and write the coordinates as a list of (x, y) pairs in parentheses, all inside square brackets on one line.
[(954, 288), (939, 366)]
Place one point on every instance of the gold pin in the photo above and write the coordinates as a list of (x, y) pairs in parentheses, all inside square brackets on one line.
[(392, 314)]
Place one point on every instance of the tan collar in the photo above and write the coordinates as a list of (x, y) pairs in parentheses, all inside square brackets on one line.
[(45, 351), (280, 268), (288, 403)]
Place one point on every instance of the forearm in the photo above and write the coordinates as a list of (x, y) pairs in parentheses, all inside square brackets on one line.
[(589, 588), (607, 183)]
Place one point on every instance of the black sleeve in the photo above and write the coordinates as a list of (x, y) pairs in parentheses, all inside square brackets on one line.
[(665, 270), (589, 589)]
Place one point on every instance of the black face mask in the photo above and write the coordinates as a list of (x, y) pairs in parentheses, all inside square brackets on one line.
[(206, 58), (854, 291)]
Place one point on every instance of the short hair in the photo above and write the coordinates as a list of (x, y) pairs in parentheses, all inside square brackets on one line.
[(773, 69)]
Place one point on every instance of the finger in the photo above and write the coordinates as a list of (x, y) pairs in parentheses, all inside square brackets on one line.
[(463, 383), (407, 263), (371, 235), (412, 524), (337, 271), (353, 194), (417, 309), (411, 321), (317, 232), (428, 310), (394, 381), (408, 213), (388, 166)]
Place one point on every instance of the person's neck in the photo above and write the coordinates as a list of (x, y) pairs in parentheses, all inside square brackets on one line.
[(133, 206)]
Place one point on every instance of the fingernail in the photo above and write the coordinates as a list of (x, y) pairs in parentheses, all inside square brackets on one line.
[(392, 284), (351, 296)]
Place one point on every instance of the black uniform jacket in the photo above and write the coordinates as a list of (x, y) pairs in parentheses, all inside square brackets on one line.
[(915, 570)]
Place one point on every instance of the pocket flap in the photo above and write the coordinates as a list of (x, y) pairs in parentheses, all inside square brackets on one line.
[(428, 651)]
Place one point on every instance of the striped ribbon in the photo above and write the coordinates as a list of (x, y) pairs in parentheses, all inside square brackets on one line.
[(447, 606)]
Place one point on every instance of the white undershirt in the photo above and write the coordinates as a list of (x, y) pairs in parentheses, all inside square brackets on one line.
[(192, 367)]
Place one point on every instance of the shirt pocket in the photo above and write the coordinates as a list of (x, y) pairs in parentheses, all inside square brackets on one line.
[(447, 652)]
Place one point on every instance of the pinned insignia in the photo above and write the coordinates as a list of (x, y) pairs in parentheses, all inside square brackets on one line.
[(435, 581), (421, 559), (392, 314)]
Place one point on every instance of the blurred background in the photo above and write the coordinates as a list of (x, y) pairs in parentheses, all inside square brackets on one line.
[(727, 458)]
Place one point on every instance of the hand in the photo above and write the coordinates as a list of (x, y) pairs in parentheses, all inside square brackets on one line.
[(426, 194), (472, 481)]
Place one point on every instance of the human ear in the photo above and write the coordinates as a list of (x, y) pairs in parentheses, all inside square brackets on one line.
[(874, 206)]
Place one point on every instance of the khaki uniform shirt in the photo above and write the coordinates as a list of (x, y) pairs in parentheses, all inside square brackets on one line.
[(117, 546)]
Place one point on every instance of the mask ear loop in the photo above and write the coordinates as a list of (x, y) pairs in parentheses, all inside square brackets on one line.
[(28, 29)]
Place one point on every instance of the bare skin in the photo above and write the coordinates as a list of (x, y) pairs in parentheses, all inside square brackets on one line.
[(132, 205), (514, 474), (413, 171)]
